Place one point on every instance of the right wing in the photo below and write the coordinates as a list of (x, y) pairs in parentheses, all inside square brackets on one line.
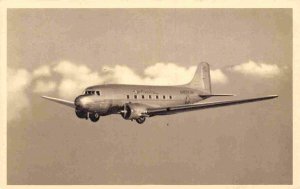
[(60, 101), (191, 107)]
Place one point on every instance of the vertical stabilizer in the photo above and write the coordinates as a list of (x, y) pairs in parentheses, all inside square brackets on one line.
[(201, 79)]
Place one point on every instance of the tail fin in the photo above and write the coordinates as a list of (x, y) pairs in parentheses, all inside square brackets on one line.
[(201, 79)]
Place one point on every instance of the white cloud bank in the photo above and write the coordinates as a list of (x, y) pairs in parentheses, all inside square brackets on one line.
[(19, 81), (43, 71), (42, 86), (76, 77), (158, 74), (257, 69), (218, 76)]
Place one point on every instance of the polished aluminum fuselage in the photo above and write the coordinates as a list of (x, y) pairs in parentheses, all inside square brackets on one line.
[(113, 97)]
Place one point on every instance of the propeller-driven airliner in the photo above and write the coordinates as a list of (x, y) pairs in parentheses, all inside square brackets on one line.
[(138, 102)]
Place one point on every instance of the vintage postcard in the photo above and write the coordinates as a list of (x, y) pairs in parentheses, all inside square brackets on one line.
[(117, 94)]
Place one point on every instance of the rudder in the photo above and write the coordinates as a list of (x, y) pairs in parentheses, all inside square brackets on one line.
[(201, 79)]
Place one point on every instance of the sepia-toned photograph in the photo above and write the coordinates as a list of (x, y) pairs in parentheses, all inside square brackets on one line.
[(148, 96)]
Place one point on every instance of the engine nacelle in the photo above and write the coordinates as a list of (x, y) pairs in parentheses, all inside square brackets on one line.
[(133, 111)]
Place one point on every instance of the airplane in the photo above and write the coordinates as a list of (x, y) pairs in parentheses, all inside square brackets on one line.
[(138, 102)]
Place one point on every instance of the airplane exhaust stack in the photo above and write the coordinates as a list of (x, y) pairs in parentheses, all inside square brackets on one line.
[(201, 79)]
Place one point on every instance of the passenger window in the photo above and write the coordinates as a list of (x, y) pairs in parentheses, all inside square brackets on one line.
[(164, 97), (98, 93), (156, 96), (170, 97), (127, 96), (135, 96), (150, 97), (143, 96)]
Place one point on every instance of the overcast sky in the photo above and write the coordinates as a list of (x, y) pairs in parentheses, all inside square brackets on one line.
[(59, 52)]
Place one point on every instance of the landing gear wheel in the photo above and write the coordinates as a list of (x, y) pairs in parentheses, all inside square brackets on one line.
[(140, 120), (81, 114), (94, 117)]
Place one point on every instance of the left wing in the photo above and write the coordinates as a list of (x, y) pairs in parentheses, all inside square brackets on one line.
[(60, 101), (191, 107)]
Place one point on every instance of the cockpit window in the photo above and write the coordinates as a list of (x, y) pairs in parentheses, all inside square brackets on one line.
[(92, 92)]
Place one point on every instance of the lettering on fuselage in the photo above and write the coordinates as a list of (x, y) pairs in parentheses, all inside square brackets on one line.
[(144, 91), (186, 92)]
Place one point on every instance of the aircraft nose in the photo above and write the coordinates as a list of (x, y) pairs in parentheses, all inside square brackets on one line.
[(77, 101), (82, 102)]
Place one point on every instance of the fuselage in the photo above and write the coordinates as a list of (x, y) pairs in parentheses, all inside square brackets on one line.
[(111, 98)]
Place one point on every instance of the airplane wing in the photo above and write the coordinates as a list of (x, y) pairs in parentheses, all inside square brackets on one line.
[(199, 106), (60, 101)]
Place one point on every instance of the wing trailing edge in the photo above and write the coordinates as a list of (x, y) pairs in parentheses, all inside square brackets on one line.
[(191, 107)]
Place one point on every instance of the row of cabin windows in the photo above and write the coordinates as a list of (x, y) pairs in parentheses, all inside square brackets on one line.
[(150, 97), (92, 92)]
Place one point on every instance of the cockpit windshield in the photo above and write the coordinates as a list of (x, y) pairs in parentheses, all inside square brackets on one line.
[(91, 92)]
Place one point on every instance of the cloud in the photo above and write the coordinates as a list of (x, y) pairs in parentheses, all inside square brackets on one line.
[(120, 74), (74, 78), (172, 74), (158, 74), (217, 76), (19, 81), (168, 74), (43, 71), (68, 79), (257, 69), (44, 86), (77, 77)]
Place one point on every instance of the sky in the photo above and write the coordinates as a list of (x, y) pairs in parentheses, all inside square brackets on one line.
[(59, 52)]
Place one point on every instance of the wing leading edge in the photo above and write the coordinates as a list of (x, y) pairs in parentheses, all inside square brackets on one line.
[(60, 101), (191, 107)]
